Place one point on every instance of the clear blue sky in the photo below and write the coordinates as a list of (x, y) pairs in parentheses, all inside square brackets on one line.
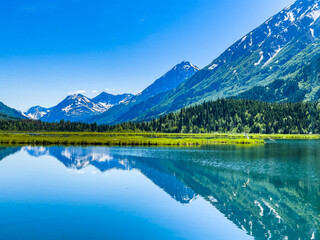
[(50, 48)]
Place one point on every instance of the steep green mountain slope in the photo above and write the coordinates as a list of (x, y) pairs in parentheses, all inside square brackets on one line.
[(274, 51), (303, 83), (7, 113)]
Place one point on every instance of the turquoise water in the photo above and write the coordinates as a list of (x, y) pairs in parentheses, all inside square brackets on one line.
[(216, 192)]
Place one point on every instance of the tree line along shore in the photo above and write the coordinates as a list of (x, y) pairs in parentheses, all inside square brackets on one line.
[(227, 121)]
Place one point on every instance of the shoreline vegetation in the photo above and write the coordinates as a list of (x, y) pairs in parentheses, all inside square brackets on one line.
[(123, 139), (140, 138)]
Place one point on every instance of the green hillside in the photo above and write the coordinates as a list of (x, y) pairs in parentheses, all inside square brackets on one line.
[(7, 113), (300, 84)]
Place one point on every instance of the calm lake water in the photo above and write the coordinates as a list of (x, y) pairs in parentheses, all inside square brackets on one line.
[(216, 192)]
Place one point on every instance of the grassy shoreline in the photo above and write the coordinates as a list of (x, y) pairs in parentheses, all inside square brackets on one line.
[(140, 138), (122, 139)]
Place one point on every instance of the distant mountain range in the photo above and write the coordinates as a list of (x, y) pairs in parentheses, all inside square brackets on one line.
[(77, 107), (276, 62), (80, 108)]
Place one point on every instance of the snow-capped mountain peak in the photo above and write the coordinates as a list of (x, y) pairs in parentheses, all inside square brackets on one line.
[(74, 108), (36, 112), (185, 65), (78, 101), (177, 75)]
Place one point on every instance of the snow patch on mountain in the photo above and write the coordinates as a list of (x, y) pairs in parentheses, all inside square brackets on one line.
[(312, 32), (260, 60), (290, 17), (213, 66), (106, 106), (273, 56), (109, 100), (314, 16)]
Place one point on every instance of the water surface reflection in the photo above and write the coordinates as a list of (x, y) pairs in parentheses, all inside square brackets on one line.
[(270, 192)]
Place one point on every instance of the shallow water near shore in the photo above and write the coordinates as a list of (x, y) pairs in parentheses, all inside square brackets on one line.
[(269, 191)]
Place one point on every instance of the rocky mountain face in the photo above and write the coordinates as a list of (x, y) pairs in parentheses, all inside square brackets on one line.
[(276, 50), (36, 112), (109, 100), (74, 108)]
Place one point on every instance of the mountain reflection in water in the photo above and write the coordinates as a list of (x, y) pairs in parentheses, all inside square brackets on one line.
[(272, 191)]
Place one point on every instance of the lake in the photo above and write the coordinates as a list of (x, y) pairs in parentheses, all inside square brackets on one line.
[(270, 191)]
